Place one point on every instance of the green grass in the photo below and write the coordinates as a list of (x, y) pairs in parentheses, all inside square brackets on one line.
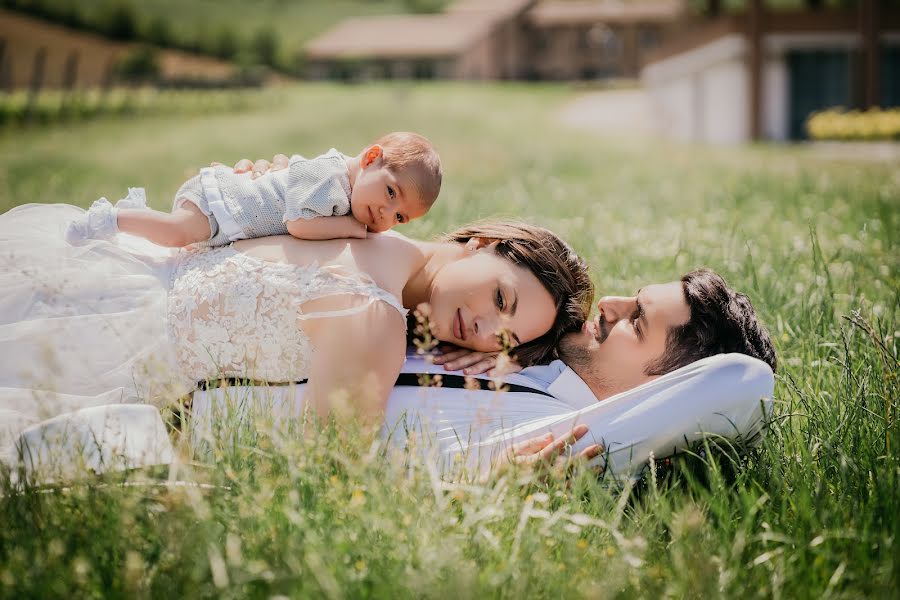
[(813, 514)]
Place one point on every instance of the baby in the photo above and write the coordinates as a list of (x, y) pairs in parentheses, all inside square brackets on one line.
[(393, 181)]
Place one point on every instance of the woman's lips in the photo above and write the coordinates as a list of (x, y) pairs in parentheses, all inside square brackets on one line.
[(371, 216), (459, 326)]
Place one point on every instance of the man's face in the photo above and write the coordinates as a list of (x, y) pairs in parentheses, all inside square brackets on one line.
[(612, 351)]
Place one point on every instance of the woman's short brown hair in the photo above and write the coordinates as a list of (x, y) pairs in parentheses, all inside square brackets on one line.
[(562, 273)]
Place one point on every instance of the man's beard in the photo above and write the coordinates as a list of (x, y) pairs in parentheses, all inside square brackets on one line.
[(579, 358), (603, 329)]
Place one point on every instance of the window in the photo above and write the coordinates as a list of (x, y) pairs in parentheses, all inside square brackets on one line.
[(648, 37)]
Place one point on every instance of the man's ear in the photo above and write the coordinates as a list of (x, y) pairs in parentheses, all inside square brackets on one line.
[(373, 155), (477, 243)]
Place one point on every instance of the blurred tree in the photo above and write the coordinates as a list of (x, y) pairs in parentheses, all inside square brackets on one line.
[(159, 32), (120, 22), (424, 6), (70, 15), (265, 46), (225, 43), (138, 66)]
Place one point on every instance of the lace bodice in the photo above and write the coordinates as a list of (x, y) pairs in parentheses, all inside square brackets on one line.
[(234, 315)]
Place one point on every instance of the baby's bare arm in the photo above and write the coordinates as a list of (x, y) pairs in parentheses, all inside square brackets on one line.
[(326, 228)]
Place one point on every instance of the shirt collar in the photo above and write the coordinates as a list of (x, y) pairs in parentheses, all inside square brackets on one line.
[(571, 389), (557, 379)]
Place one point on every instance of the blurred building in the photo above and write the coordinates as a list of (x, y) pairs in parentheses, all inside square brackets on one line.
[(497, 39), (37, 54), (760, 74), (584, 39)]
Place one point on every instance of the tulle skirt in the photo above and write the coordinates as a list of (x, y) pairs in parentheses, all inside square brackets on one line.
[(79, 325)]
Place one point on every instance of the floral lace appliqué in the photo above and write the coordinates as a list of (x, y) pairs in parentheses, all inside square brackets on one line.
[(232, 315)]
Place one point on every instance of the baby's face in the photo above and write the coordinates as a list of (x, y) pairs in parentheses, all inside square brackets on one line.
[(381, 199)]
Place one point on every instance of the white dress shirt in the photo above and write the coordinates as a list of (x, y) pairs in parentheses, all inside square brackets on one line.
[(725, 396)]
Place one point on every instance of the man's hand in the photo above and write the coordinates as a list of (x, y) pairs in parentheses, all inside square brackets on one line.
[(260, 167), (471, 362), (548, 456)]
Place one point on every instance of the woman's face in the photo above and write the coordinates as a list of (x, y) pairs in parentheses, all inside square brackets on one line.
[(477, 297)]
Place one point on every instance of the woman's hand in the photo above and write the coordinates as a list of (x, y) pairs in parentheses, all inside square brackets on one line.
[(260, 167), (549, 456), (471, 362)]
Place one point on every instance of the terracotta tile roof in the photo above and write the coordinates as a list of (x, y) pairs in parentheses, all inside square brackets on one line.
[(574, 12), (399, 36)]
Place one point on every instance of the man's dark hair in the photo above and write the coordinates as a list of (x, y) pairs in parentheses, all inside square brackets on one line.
[(722, 320)]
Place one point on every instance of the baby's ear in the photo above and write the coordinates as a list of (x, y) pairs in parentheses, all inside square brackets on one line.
[(373, 155), (476, 243)]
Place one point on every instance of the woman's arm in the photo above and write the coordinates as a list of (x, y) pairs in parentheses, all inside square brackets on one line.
[(356, 358)]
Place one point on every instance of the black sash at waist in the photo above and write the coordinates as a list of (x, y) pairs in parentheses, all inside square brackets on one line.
[(444, 380)]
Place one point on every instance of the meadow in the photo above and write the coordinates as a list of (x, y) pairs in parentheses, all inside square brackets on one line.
[(811, 513)]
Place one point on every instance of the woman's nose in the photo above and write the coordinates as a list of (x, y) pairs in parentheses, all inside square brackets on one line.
[(615, 308), (486, 328)]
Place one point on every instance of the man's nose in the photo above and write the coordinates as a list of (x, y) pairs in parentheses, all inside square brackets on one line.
[(616, 308)]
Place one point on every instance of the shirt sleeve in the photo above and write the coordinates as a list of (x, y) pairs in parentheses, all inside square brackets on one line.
[(317, 187), (727, 396)]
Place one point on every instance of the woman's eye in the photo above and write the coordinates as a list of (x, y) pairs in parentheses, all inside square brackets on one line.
[(390, 192), (499, 300)]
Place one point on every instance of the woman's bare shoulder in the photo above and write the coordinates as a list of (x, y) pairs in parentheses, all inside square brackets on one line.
[(394, 242)]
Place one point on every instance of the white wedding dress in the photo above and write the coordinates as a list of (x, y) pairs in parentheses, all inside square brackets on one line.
[(128, 321)]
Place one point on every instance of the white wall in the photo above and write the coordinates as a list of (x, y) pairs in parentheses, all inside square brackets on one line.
[(702, 95), (775, 89), (724, 94)]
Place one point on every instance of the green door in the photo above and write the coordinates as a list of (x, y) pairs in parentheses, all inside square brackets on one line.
[(890, 76), (819, 79)]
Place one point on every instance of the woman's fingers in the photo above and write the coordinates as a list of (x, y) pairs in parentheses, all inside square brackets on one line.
[(466, 361), (474, 363), (504, 367), (482, 366), (449, 353)]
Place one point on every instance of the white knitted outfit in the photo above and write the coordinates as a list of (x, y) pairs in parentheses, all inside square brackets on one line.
[(239, 207)]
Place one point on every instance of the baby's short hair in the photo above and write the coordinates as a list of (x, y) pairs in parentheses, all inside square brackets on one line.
[(414, 156)]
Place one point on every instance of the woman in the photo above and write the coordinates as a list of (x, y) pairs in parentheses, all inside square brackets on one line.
[(128, 321)]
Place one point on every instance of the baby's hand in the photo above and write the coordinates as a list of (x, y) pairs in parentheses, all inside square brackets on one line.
[(357, 230), (260, 167)]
